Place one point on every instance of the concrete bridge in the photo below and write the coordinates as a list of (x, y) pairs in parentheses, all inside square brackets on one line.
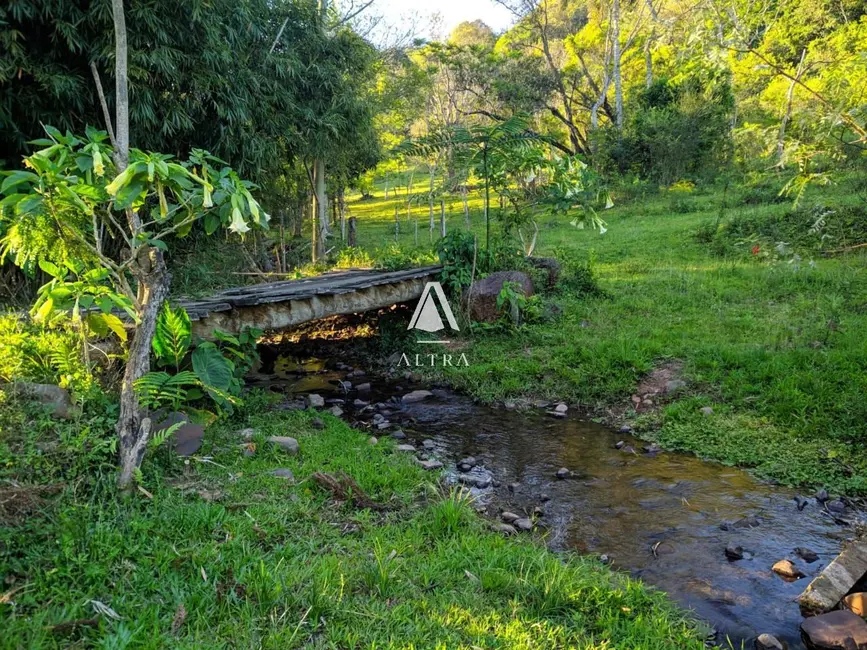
[(284, 304)]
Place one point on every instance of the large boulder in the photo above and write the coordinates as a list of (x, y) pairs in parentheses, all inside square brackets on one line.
[(837, 630), (57, 399), (482, 294)]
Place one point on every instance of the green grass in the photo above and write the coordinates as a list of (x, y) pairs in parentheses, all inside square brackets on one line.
[(256, 561), (776, 348)]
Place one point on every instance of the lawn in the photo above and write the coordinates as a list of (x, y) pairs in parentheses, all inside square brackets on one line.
[(221, 554), (772, 341)]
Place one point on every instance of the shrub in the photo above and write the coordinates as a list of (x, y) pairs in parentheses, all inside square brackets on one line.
[(579, 276), (677, 130)]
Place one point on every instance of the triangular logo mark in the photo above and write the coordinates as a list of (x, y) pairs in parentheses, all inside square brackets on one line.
[(427, 316)]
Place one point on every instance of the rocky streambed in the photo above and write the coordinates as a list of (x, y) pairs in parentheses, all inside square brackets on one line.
[(733, 549)]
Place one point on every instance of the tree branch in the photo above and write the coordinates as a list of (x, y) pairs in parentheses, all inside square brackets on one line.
[(105, 114)]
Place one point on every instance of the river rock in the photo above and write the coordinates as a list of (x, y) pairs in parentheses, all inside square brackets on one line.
[(806, 554), (856, 603), (407, 449), (373, 440), (428, 443), (836, 506), (315, 401), (283, 473), (505, 529), (363, 388), (734, 553), (768, 642), (317, 424), (550, 265), (544, 498), (561, 408), (471, 480), (839, 630), (416, 396), (287, 444), (563, 473), (466, 464), (430, 464), (359, 403), (54, 397), (509, 517), (482, 294), (706, 411), (625, 429), (620, 444), (336, 411), (786, 569), (822, 496), (523, 524), (398, 435), (835, 581), (187, 439)]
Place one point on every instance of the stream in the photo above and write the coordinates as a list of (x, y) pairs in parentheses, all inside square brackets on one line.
[(666, 518)]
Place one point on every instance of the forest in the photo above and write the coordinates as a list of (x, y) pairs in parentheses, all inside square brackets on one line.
[(235, 236)]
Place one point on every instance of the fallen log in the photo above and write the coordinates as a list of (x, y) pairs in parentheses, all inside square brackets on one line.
[(344, 488)]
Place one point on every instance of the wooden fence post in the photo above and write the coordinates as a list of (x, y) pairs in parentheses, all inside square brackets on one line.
[(396, 224), (442, 218), (353, 231)]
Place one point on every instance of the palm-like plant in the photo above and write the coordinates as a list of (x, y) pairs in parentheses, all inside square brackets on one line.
[(476, 146)]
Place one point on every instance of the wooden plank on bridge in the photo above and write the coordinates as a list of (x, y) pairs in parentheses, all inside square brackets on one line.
[(276, 305)]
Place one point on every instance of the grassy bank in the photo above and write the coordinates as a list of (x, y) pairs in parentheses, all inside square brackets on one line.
[(772, 338), (221, 554)]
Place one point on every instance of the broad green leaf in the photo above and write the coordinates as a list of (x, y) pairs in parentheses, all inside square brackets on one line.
[(213, 370), (115, 325), (173, 335), (17, 178), (51, 269)]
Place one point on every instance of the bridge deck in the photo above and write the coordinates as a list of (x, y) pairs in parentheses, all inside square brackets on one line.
[(278, 305)]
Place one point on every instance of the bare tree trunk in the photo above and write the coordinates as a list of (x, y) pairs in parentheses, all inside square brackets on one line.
[(353, 232), (133, 428), (648, 64), (790, 95), (341, 204), (320, 210), (300, 216), (121, 94), (442, 218), (396, 224), (466, 206), (430, 201), (618, 81)]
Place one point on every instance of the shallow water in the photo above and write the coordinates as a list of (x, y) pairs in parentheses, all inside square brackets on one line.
[(657, 516)]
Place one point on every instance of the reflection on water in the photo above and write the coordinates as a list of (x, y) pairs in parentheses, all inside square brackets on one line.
[(666, 518)]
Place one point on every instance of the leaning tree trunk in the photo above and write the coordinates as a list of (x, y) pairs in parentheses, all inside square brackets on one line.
[(134, 428), (616, 55)]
